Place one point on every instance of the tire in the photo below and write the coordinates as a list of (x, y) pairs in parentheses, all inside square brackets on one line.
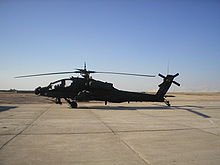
[(73, 104)]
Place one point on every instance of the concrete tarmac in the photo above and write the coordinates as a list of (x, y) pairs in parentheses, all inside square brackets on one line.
[(120, 134)]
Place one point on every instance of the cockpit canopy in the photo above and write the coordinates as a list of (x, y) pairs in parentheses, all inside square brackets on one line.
[(61, 83)]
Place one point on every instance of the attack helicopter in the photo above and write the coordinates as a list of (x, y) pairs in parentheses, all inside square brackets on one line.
[(86, 88)]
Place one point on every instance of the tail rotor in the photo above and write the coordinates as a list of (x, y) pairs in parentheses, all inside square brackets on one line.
[(165, 85), (170, 78)]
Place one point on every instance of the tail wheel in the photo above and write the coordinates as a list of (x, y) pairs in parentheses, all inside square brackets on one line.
[(167, 103)]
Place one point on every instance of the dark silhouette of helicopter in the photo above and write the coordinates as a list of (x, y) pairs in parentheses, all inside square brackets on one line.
[(86, 88)]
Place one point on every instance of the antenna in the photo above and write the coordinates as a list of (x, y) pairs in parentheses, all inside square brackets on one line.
[(84, 65), (168, 67)]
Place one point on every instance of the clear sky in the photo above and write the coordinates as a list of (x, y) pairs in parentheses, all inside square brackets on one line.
[(138, 36)]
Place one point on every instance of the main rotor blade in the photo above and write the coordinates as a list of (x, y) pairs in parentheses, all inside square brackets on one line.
[(176, 83), (85, 71), (129, 74), (176, 74), (45, 74), (161, 75)]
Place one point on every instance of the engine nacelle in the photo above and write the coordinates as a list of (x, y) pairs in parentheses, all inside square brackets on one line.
[(101, 85)]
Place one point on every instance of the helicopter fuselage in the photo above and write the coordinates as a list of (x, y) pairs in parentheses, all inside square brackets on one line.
[(81, 89), (87, 89)]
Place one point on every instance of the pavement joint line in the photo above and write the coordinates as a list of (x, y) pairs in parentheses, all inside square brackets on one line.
[(201, 129), (103, 122), (189, 127), (135, 152), (121, 140), (84, 133), (168, 121), (47, 109)]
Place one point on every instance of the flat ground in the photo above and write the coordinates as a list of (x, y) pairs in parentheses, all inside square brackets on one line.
[(34, 131)]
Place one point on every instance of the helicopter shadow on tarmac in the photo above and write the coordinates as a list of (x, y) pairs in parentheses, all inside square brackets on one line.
[(125, 108), (188, 108), (159, 107), (6, 108)]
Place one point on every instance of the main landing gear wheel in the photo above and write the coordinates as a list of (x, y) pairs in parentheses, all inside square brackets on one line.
[(72, 104), (58, 101)]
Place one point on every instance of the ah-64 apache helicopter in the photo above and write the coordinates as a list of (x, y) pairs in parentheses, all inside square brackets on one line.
[(76, 89)]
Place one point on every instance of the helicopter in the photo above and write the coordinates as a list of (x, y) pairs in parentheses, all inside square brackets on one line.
[(85, 88)]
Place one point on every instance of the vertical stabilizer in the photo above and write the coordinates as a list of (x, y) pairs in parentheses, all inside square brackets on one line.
[(165, 85)]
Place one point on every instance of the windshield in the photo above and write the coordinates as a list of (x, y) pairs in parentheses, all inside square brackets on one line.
[(60, 84)]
